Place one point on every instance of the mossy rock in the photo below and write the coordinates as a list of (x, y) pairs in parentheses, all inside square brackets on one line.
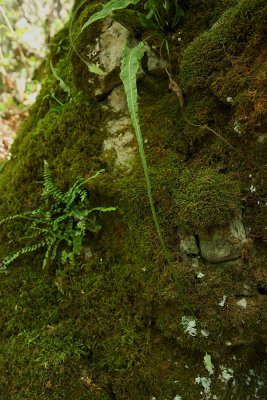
[(214, 49), (206, 198), (111, 327)]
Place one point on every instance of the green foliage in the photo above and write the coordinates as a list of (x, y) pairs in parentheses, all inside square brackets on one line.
[(164, 15), (207, 55), (62, 224), (108, 8), (129, 68), (130, 65), (206, 199), (62, 84)]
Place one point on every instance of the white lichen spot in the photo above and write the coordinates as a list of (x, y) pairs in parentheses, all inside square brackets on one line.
[(177, 397), (229, 100), (242, 303), (222, 302), (208, 364), (226, 374), (205, 382), (260, 384), (248, 379), (200, 275), (237, 127), (204, 333), (189, 325), (252, 189)]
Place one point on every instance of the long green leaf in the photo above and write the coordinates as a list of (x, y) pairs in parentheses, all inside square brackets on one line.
[(62, 84), (129, 68), (107, 9)]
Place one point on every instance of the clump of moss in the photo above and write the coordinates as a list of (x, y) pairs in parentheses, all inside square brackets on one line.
[(205, 199), (214, 49), (81, 41)]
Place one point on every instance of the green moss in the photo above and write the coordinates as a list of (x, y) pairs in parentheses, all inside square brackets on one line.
[(213, 50), (111, 327), (81, 74), (205, 199)]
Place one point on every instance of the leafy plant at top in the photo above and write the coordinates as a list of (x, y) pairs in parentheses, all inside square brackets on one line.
[(162, 14), (60, 226), (112, 5)]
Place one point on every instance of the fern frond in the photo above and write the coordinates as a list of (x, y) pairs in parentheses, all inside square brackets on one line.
[(102, 209), (77, 188), (66, 221), (26, 215), (27, 249), (50, 188)]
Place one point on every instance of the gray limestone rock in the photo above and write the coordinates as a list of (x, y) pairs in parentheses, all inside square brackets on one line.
[(106, 53), (118, 148), (117, 100), (188, 244), (155, 65), (223, 244)]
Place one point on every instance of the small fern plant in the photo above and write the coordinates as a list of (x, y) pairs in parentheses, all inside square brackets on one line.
[(61, 225)]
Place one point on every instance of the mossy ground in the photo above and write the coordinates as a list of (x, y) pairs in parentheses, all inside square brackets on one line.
[(111, 328)]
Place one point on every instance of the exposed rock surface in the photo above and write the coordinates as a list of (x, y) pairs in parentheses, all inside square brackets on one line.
[(188, 244), (118, 148), (155, 65), (106, 53), (223, 244)]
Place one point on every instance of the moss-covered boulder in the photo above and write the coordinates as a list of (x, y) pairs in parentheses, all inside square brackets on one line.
[(124, 322)]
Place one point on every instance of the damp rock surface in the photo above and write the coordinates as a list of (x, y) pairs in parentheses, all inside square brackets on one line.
[(223, 244)]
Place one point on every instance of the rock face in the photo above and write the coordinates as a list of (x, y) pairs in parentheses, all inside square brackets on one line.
[(223, 244), (106, 53), (155, 65), (118, 149), (188, 245)]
